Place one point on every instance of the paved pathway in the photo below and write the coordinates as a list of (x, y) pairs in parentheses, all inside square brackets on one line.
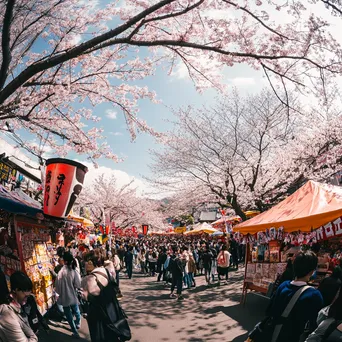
[(206, 314)]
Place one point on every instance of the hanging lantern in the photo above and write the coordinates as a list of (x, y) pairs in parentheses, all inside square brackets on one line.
[(63, 183)]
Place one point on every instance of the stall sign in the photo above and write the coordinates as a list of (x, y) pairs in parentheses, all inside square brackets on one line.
[(180, 230), (329, 230), (6, 173)]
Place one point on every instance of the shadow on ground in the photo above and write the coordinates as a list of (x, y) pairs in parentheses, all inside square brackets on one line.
[(208, 314)]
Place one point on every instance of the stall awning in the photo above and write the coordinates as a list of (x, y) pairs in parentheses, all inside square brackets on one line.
[(228, 219), (12, 202), (310, 207), (85, 222), (201, 228)]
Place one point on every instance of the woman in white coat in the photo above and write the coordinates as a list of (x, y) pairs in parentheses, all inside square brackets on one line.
[(68, 280)]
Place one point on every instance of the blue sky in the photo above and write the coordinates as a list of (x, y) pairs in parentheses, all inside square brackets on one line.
[(175, 91)]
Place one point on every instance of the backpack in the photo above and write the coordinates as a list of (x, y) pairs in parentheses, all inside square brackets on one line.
[(221, 260), (107, 321), (267, 330), (213, 253)]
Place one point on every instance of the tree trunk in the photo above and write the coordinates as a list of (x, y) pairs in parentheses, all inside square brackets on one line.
[(237, 208)]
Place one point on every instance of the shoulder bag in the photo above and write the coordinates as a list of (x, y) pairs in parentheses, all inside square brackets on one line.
[(267, 330)]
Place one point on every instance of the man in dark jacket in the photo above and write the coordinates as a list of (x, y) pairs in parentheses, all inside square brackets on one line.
[(129, 262), (207, 258), (160, 263), (176, 268)]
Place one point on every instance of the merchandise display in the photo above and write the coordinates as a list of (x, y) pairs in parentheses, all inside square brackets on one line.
[(263, 265), (36, 260)]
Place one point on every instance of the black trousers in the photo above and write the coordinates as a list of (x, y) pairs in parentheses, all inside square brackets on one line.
[(162, 273), (177, 282)]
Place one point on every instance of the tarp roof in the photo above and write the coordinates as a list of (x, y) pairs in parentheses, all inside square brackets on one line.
[(15, 202), (201, 228), (208, 216), (310, 207)]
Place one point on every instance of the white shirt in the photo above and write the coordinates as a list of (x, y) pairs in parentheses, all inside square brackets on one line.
[(66, 283)]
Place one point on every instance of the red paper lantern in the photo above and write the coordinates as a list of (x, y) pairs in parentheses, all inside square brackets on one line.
[(63, 183)]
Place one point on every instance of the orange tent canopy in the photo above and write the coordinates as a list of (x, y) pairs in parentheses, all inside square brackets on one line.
[(310, 207), (224, 219)]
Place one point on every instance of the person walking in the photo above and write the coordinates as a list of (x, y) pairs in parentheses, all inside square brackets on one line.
[(192, 270), (207, 262), (223, 263), (129, 262), (117, 267), (152, 262), (176, 268), (106, 319), (160, 264), (68, 280), (142, 260)]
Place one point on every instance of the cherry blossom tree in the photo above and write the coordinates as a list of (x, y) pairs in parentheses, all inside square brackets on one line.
[(120, 204), (59, 54), (236, 150), (317, 146)]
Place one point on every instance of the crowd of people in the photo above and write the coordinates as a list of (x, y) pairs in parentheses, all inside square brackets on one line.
[(87, 284), (83, 273)]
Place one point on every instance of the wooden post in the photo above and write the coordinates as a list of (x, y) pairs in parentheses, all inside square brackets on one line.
[(245, 285)]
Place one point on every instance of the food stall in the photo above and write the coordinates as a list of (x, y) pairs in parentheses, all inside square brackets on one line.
[(25, 244), (309, 216)]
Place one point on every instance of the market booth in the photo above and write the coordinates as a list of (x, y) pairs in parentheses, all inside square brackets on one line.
[(312, 214), (25, 229), (25, 243)]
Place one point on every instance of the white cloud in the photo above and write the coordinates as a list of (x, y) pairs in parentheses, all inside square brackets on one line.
[(218, 14), (116, 134), (122, 178), (111, 114), (243, 81), (16, 155), (180, 72)]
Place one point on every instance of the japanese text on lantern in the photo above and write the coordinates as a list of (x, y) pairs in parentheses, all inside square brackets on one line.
[(58, 192), (47, 187)]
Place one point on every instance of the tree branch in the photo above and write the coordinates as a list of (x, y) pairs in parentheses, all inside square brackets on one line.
[(5, 44), (334, 7), (78, 50), (256, 18)]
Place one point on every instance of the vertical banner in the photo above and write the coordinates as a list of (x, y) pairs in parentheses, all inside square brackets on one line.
[(145, 229)]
